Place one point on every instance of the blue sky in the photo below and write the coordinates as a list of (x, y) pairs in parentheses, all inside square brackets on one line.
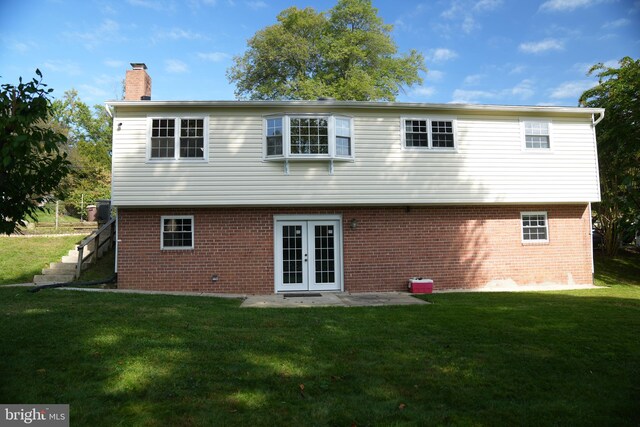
[(512, 52)]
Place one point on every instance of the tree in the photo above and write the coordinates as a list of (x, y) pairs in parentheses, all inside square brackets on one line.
[(89, 135), (618, 91), (31, 161), (346, 53)]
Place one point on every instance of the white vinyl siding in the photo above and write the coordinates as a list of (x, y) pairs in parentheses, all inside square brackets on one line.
[(487, 166)]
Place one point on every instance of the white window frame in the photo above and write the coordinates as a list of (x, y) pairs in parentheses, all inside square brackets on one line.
[(523, 135), (178, 121), (522, 227), (429, 120), (177, 248), (286, 137)]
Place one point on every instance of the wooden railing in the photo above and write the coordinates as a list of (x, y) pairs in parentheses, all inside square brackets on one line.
[(93, 247)]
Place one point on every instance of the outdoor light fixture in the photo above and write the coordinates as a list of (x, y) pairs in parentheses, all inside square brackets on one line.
[(354, 224), (119, 126)]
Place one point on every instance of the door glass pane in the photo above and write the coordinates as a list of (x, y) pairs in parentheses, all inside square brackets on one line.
[(291, 254), (324, 254)]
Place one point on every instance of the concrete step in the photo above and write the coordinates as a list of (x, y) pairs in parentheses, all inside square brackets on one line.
[(70, 259), (61, 266), (44, 279)]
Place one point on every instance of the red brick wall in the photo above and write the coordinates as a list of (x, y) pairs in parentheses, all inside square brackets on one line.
[(137, 84), (457, 246)]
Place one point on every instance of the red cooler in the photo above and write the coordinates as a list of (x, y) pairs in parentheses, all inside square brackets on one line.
[(418, 285)]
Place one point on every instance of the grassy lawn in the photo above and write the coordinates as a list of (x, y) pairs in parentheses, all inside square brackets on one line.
[(559, 358), (23, 257)]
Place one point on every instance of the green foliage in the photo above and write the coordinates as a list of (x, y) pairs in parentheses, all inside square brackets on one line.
[(32, 164), (618, 91), (89, 134), (346, 53)]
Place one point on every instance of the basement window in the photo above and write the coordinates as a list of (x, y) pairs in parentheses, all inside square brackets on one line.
[(177, 232), (178, 138), (535, 227)]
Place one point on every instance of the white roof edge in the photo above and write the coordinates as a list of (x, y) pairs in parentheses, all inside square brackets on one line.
[(360, 104)]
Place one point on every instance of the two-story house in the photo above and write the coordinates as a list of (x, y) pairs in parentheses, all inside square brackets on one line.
[(277, 196)]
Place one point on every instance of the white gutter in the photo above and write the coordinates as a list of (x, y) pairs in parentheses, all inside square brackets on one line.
[(360, 104), (599, 119)]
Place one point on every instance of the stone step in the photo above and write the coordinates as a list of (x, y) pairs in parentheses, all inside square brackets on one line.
[(44, 279)]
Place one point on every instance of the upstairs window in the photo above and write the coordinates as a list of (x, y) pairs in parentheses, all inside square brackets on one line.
[(534, 227), (178, 138), (428, 133), (537, 134), (308, 137), (274, 137)]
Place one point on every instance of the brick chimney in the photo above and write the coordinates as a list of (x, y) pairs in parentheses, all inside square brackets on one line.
[(137, 85)]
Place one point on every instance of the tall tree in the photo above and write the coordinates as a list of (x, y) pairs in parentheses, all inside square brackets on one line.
[(31, 161), (618, 91), (89, 134), (346, 53)]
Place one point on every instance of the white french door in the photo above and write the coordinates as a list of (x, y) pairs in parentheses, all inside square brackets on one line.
[(308, 254)]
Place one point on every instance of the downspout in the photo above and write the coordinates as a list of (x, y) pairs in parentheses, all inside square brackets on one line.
[(595, 145), (593, 268)]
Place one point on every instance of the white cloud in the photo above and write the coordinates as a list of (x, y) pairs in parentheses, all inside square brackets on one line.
[(441, 55), (434, 75), (541, 46), (114, 63), (159, 6), (461, 96), (175, 66), (214, 56), (566, 5), (483, 5), (93, 91), (423, 92), (522, 90), (463, 14), (178, 34), (469, 24), (473, 79), (20, 47), (66, 67), (571, 89), (616, 24), (256, 4), (517, 69), (107, 31)]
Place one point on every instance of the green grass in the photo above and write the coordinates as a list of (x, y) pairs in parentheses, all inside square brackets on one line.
[(553, 358), (23, 257), (102, 269)]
